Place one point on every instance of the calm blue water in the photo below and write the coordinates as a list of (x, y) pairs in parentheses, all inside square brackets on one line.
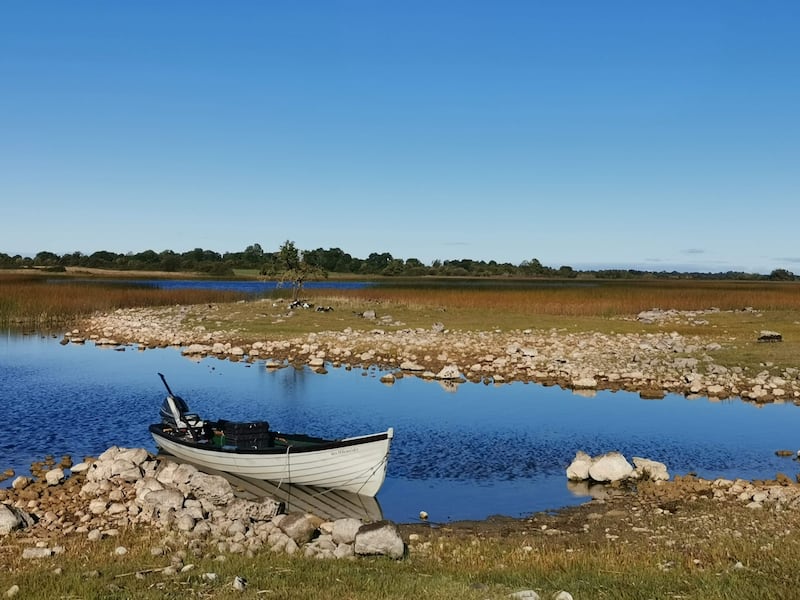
[(245, 286), (469, 454)]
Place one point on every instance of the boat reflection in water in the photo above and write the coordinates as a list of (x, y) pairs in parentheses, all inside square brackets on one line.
[(326, 503)]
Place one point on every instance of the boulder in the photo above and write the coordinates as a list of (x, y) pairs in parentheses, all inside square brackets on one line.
[(14, 518), (584, 383), (380, 538), (135, 455), (9, 519), (345, 530), (21, 482), (300, 527), (164, 499), (125, 470), (54, 476), (214, 488), (650, 469), (262, 510), (610, 467), (578, 470)]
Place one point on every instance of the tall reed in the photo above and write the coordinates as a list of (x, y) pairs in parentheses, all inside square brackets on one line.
[(599, 298), (37, 302)]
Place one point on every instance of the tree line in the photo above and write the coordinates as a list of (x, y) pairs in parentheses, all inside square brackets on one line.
[(336, 260)]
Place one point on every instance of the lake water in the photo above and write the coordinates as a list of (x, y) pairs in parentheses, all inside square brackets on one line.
[(252, 286), (465, 454)]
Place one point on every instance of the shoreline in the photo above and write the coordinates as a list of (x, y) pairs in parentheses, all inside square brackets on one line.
[(651, 364)]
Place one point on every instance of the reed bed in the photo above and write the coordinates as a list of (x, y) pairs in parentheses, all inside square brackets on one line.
[(595, 299), (37, 302)]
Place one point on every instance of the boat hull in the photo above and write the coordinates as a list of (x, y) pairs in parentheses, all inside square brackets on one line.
[(355, 465), (327, 503)]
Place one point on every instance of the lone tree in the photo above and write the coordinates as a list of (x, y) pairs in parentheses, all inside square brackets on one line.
[(290, 267)]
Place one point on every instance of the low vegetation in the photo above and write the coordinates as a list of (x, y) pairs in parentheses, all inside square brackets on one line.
[(620, 550)]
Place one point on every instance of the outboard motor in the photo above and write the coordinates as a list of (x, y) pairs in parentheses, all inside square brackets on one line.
[(172, 411), (175, 412)]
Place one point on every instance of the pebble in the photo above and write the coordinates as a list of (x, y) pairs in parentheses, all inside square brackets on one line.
[(239, 583)]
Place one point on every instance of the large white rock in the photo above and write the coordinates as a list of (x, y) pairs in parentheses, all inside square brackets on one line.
[(380, 538), (9, 521), (578, 470), (125, 470), (135, 455), (345, 530), (54, 476), (650, 469), (214, 488), (165, 499), (611, 466)]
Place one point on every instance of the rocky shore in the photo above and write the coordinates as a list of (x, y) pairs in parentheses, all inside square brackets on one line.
[(652, 364), (66, 506), (128, 487)]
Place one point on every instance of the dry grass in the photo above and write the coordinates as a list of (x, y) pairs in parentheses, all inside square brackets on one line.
[(588, 299), (700, 551), (34, 301)]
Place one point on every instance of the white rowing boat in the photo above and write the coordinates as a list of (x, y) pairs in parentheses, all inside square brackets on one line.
[(252, 449)]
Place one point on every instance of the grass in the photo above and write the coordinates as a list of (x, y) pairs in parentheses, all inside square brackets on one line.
[(752, 558)]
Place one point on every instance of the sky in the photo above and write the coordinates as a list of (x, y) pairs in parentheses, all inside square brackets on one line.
[(618, 134)]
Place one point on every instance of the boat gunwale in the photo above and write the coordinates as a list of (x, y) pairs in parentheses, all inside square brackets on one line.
[(157, 429)]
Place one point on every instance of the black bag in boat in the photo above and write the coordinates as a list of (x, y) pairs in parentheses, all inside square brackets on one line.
[(254, 435)]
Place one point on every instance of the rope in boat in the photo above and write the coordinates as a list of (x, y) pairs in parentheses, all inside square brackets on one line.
[(288, 465), (288, 470), (369, 470)]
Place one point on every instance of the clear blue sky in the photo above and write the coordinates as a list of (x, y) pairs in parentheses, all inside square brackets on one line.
[(653, 135)]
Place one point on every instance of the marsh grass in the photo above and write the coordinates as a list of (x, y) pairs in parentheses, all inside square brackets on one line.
[(35, 301), (588, 299)]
